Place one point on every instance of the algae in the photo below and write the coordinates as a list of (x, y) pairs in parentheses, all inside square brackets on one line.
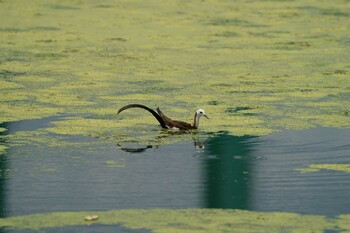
[(3, 149), (318, 167), (183, 220), (120, 163), (9, 85), (24, 111), (255, 67), (42, 138)]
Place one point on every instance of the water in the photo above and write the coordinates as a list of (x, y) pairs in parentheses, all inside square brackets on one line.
[(251, 173), (254, 66)]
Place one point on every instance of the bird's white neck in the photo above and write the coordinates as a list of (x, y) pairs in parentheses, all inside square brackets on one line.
[(196, 120)]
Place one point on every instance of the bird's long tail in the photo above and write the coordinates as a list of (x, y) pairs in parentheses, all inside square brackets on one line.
[(154, 113)]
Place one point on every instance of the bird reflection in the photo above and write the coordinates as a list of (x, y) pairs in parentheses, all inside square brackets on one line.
[(198, 144), (135, 150)]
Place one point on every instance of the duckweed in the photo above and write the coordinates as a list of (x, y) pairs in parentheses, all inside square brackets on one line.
[(184, 220), (261, 67), (318, 167), (258, 68), (3, 149)]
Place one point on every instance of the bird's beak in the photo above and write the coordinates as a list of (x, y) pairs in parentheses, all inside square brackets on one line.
[(206, 116)]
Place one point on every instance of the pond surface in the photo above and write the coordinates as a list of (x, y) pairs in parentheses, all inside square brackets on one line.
[(273, 76), (250, 173)]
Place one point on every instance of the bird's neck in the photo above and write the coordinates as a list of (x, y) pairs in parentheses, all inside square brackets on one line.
[(196, 120)]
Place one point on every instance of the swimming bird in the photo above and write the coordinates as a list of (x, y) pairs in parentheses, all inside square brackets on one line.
[(167, 123)]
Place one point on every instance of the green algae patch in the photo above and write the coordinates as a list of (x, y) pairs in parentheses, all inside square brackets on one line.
[(9, 85), (60, 98), (120, 163), (318, 167), (82, 126), (182, 220), (42, 138), (122, 130), (343, 222), (255, 67), (24, 111), (3, 149)]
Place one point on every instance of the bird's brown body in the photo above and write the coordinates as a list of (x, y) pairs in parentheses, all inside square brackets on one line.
[(173, 123), (165, 121)]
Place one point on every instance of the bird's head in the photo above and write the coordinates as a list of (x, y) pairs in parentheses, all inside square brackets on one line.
[(201, 112)]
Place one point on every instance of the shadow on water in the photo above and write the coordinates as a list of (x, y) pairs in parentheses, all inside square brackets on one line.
[(261, 173), (226, 172)]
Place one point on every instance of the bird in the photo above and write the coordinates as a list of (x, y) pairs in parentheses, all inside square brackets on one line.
[(167, 123)]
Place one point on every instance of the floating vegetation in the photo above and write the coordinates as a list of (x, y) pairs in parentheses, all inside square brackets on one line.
[(327, 11), (63, 7), (234, 22), (91, 218), (9, 85), (183, 220), (83, 126), (238, 109), (120, 163), (3, 149), (293, 45), (227, 34), (248, 68), (23, 111), (256, 67), (29, 29), (7, 74), (318, 167)]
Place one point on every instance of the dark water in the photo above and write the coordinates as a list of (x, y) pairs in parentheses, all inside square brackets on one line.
[(253, 173)]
